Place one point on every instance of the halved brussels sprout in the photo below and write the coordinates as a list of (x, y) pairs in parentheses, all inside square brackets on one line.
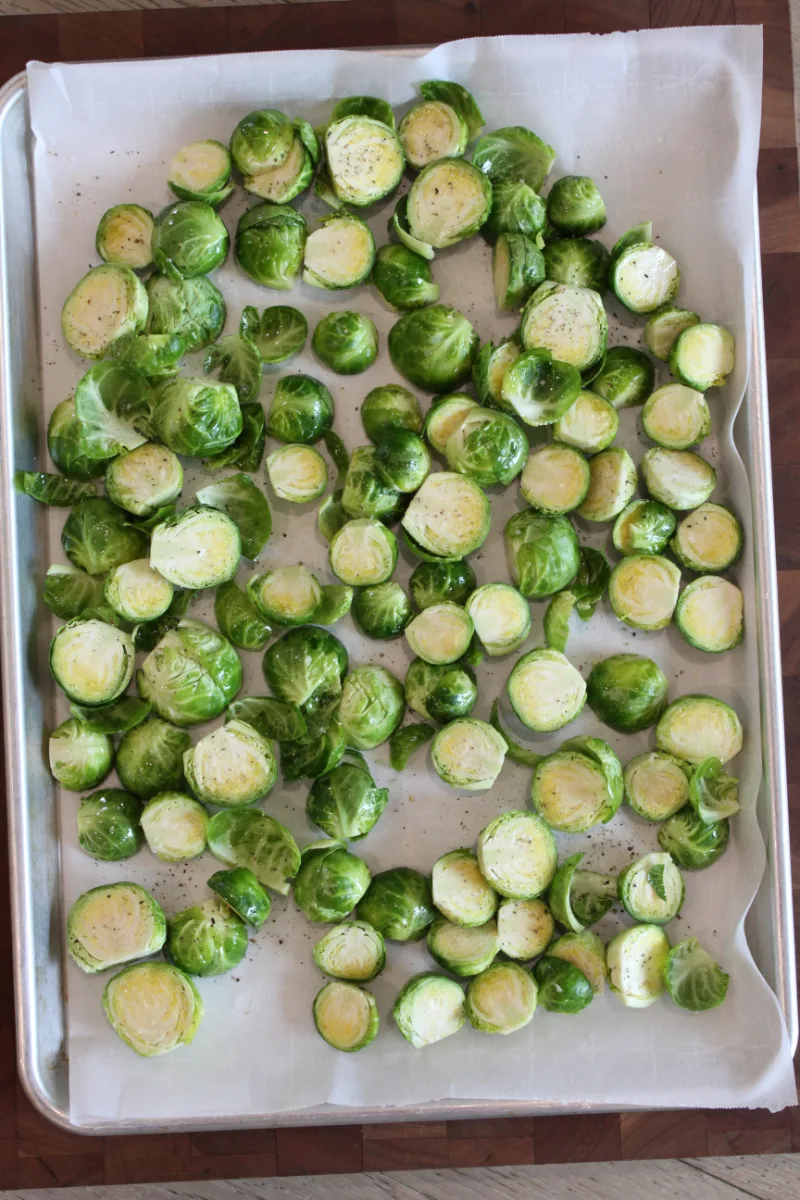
[(694, 843), (713, 794), (518, 855), (403, 459), (577, 261), (276, 720), (626, 377), (190, 675), (270, 242), (282, 183), (197, 548), (345, 803), (92, 661), (468, 754), (514, 153), (241, 891), (298, 474), (207, 939), (363, 552), (601, 753), (404, 278), (144, 479), (435, 582), (261, 140), (399, 226), (449, 200), (189, 240), (125, 235), (398, 904), (174, 826), (708, 540), (155, 355), (562, 986), (113, 924), (524, 928), (346, 1016), (381, 611), (575, 206), (543, 553), (305, 667), (118, 717), (459, 99), (555, 479), (136, 592), (441, 633), (516, 208), (365, 159), (246, 837), (197, 418), (431, 130), (636, 960), (710, 614), (201, 171), (664, 326), (79, 758), (231, 766), (429, 1008), (697, 727), (239, 498), (330, 882), (286, 595), (539, 389), (347, 342), (652, 889), (433, 347), (462, 950), (192, 308), (153, 1007), (569, 791), (449, 516), (643, 591), (279, 333), (336, 602), (612, 483), (352, 950), (545, 690), (703, 356), (317, 753), (340, 254), (150, 758), (75, 454), (590, 424), (460, 892), (518, 267), (656, 784), (676, 417), (585, 951), (692, 977), (644, 277), (301, 410), (108, 825), (568, 321), (238, 362), (372, 706), (501, 617), (627, 692), (440, 693), (502, 999), (366, 494), (489, 370), (444, 416), (108, 304), (390, 407), (643, 527), (487, 446)]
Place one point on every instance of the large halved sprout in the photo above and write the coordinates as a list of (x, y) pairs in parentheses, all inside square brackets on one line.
[(114, 924), (636, 959), (680, 479), (676, 417), (590, 424), (708, 540), (656, 784), (346, 1016), (153, 1008), (692, 977), (346, 342), (282, 183), (643, 527), (201, 171), (197, 548), (568, 321), (487, 446), (449, 516), (232, 766), (371, 708), (246, 837), (125, 236), (555, 479), (340, 254), (569, 791), (429, 1008), (191, 674), (449, 200), (301, 410), (518, 267), (363, 553), (710, 614), (468, 754), (92, 661), (524, 928), (643, 590), (502, 999), (108, 304), (431, 130), (297, 474), (627, 692), (698, 727), (703, 356), (664, 326), (398, 904), (460, 949), (518, 855), (365, 159), (460, 892), (644, 276), (543, 553), (501, 617), (546, 691), (433, 347), (174, 826), (352, 950), (78, 757), (612, 483), (538, 388), (136, 592), (441, 633), (652, 889), (286, 595)]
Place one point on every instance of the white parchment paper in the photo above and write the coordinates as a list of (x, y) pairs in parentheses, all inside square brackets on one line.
[(667, 123)]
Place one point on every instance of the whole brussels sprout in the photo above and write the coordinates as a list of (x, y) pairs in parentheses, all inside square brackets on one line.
[(440, 693), (434, 347), (345, 803), (381, 611), (398, 903), (150, 758), (109, 826), (488, 447), (262, 140), (197, 418), (347, 342), (575, 206), (436, 582), (578, 261), (627, 692), (189, 240), (403, 278), (366, 495), (330, 882)]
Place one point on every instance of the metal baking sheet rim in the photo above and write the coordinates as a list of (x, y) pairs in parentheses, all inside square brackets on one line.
[(39, 1077)]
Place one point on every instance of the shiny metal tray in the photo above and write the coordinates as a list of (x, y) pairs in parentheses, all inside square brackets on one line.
[(28, 693)]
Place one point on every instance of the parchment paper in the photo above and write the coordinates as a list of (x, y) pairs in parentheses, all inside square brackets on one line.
[(667, 123)]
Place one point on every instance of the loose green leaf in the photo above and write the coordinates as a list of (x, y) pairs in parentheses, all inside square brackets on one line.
[(458, 98), (279, 333), (407, 741), (655, 877), (238, 618), (517, 753), (147, 635), (248, 449), (556, 621), (331, 516), (54, 490), (713, 794), (118, 717), (338, 452), (591, 583), (68, 592), (238, 361), (335, 604), (278, 720), (147, 524), (241, 500)]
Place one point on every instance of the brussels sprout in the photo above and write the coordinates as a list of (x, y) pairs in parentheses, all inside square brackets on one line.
[(96, 537), (627, 692), (444, 416), (516, 209), (113, 924), (124, 236), (461, 894), (556, 621), (693, 843), (568, 321), (449, 201), (239, 889), (429, 1008), (387, 408), (403, 278), (468, 754), (316, 754), (261, 140), (382, 611), (346, 1016), (664, 326), (352, 950), (174, 826), (197, 548), (652, 889), (643, 591), (436, 582), (575, 206), (298, 474), (150, 758), (136, 592), (517, 855), (278, 334), (363, 553), (239, 364), (144, 480), (644, 277), (399, 225), (518, 267), (441, 633), (562, 986), (459, 99), (197, 418), (191, 675), (433, 347), (92, 661), (569, 791), (676, 417), (147, 636), (156, 355), (601, 753), (207, 939), (246, 837), (626, 378), (697, 727), (501, 617), (542, 551), (340, 254), (432, 130), (270, 243), (364, 158), (79, 758), (449, 516), (189, 240), (692, 977), (282, 183), (502, 999), (489, 371), (192, 308), (330, 882), (524, 928), (371, 708), (703, 356), (118, 717), (636, 960), (108, 304), (545, 690), (108, 824), (514, 153), (366, 494), (398, 904), (301, 411), (488, 447), (708, 540), (305, 667), (462, 950), (580, 898), (643, 527), (577, 261), (111, 400), (231, 766), (336, 602), (153, 1007), (402, 459), (345, 803), (201, 171), (555, 479), (656, 785), (238, 618), (710, 614), (712, 794), (74, 452), (441, 693), (406, 741), (276, 720), (612, 483), (286, 595), (538, 389)]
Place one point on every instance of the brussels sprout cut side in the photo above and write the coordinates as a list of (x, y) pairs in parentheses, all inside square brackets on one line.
[(644, 276), (286, 595), (502, 999), (352, 951), (449, 516), (153, 1007), (364, 157), (695, 728), (429, 1008), (612, 483), (676, 417), (568, 321), (174, 826), (431, 130), (569, 791), (626, 377), (136, 592), (398, 904), (524, 928), (643, 527), (196, 548), (518, 267), (108, 304), (586, 952), (346, 1016), (201, 171), (282, 183), (363, 553), (501, 617), (680, 479), (297, 474), (694, 843), (144, 480), (708, 540), (444, 416), (79, 758), (125, 236), (710, 614), (113, 924), (449, 201), (92, 661), (460, 892), (652, 889), (664, 326), (231, 766), (636, 960), (627, 692), (643, 591), (462, 950), (702, 356), (340, 254), (692, 977), (556, 479), (546, 691), (518, 855), (468, 754), (590, 424), (441, 633), (657, 785)]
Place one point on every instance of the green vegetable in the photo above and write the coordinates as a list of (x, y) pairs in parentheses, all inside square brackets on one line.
[(366, 494), (330, 882), (501, 617), (352, 950), (460, 892), (627, 692), (197, 418), (398, 904), (346, 1016), (643, 591), (577, 261), (433, 347), (192, 308), (263, 139), (488, 447), (612, 484), (191, 674), (92, 661), (644, 276), (403, 278), (402, 459), (590, 424), (524, 928), (703, 356), (118, 296), (568, 321), (286, 595), (238, 618), (692, 978), (516, 209), (246, 837), (136, 592), (243, 894), (569, 791), (636, 959), (201, 171), (468, 754), (298, 474), (381, 611), (441, 633), (113, 924), (449, 516), (150, 758), (710, 614), (53, 490), (363, 553), (79, 756), (144, 480), (502, 999), (676, 417), (207, 939), (461, 950), (346, 804), (517, 855), (278, 334), (174, 826), (124, 236), (431, 130), (575, 206), (543, 553), (406, 741), (108, 824), (371, 708), (390, 407), (698, 727), (440, 693), (643, 527), (232, 766), (626, 378), (708, 540), (275, 720), (713, 795), (436, 582), (656, 785), (693, 843), (198, 547), (270, 243), (514, 153), (153, 1007), (555, 479), (96, 537), (546, 691), (538, 389), (189, 240), (652, 889), (364, 157), (562, 987)]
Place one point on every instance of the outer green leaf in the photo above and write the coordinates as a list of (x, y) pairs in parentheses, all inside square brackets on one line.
[(339, 454), (517, 753), (248, 449), (278, 720), (239, 619), (458, 98), (556, 620), (407, 741), (54, 490), (239, 362), (591, 583), (118, 717)]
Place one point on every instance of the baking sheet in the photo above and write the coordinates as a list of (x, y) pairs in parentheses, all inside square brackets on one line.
[(667, 122)]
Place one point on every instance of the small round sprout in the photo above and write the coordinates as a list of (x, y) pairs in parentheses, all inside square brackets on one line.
[(656, 785), (340, 254), (433, 347), (708, 540), (403, 278), (444, 417), (435, 582), (363, 553), (286, 595), (680, 479), (432, 130), (488, 447), (575, 206), (201, 171), (676, 417), (449, 200), (197, 418), (207, 939), (626, 377), (381, 611), (502, 999), (270, 241), (174, 826), (352, 950), (364, 157), (240, 890), (403, 459), (643, 591), (297, 474), (694, 843), (345, 803), (398, 904), (612, 484), (545, 690), (330, 882), (568, 321), (108, 304), (644, 277), (261, 140), (371, 708), (108, 825), (524, 928), (136, 592), (281, 184), (563, 987), (710, 614), (192, 308), (189, 240), (125, 236), (153, 1007), (538, 389), (518, 267), (643, 527), (501, 617), (543, 553), (440, 693), (305, 663), (346, 1016), (441, 633), (150, 758), (489, 370), (113, 924), (652, 889), (703, 356), (449, 516), (636, 959), (555, 479), (585, 951), (156, 355), (231, 767), (590, 424), (301, 410), (197, 548), (390, 407), (92, 661), (569, 791), (692, 977), (713, 794), (468, 754), (347, 342), (518, 855), (144, 479), (462, 950), (698, 727), (366, 492), (627, 692), (249, 838), (664, 326), (577, 261), (79, 758), (429, 1008), (460, 892)]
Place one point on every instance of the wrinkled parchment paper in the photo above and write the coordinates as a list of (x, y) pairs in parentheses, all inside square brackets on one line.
[(667, 123)]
